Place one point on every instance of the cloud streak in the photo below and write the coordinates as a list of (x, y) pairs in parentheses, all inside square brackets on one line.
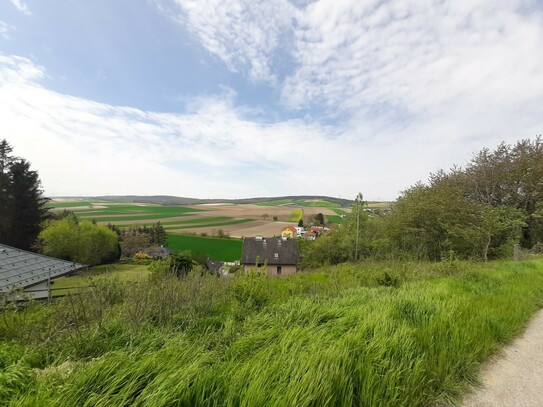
[(384, 92), (457, 75), (84, 147), (243, 34), (21, 6)]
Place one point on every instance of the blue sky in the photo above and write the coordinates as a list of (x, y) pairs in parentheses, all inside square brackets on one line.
[(235, 98)]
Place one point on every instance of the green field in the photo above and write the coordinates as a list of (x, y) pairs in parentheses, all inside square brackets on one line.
[(209, 225), (211, 219), (217, 249), (339, 211), (316, 204), (300, 202), (372, 334), (296, 215), (379, 205), (150, 211), (74, 204), (139, 212), (334, 219), (279, 202)]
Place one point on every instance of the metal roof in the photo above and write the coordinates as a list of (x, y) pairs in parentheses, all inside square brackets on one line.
[(270, 250), (19, 268)]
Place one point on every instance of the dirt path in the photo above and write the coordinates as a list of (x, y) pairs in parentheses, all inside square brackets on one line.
[(515, 378)]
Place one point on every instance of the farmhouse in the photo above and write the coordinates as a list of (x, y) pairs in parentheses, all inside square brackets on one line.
[(310, 235), (279, 256), (319, 230), (30, 272), (158, 252), (289, 232)]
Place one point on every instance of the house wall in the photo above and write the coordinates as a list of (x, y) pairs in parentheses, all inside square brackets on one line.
[(271, 270), (287, 233), (38, 291)]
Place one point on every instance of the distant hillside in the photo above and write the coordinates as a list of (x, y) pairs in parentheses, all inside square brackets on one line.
[(176, 200)]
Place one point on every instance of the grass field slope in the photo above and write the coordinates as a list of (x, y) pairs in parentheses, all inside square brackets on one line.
[(266, 218), (263, 217), (375, 334)]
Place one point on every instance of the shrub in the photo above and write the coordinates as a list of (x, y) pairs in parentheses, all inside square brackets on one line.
[(142, 256)]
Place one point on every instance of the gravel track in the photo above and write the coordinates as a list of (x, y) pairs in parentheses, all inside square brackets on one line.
[(515, 377)]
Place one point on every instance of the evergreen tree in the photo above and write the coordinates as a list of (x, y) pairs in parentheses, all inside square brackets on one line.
[(22, 206), (159, 234), (5, 164)]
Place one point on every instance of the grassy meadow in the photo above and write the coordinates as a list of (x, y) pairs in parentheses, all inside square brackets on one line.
[(334, 219), (216, 248), (85, 278), (371, 334)]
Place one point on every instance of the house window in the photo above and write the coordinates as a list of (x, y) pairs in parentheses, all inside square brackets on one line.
[(278, 270), (276, 255)]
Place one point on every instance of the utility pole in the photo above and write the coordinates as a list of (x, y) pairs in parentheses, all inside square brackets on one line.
[(358, 201)]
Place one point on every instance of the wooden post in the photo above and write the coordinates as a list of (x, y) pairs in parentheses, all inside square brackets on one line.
[(516, 252), (49, 287)]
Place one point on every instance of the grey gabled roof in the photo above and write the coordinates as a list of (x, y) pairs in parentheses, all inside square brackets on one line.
[(271, 250), (19, 268)]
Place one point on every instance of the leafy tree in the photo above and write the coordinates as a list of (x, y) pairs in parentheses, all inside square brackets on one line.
[(510, 176), (301, 223), (180, 264), (22, 206), (319, 219), (358, 236), (85, 243), (133, 242), (147, 236), (457, 213)]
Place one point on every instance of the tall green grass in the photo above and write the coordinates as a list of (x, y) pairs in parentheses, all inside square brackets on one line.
[(370, 335)]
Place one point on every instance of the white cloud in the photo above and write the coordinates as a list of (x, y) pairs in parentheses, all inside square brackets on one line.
[(4, 29), (411, 87), (244, 34), (218, 149), (21, 6), (439, 79), (413, 55), (84, 147), (81, 147), (400, 60)]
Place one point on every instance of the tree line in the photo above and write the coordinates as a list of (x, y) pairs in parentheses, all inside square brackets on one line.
[(478, 212), (26, 223)]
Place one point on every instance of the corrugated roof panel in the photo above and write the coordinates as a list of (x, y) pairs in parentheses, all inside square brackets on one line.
[(19, 268)]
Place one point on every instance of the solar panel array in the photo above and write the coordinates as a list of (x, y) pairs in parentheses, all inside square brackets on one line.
[(19, 268)]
